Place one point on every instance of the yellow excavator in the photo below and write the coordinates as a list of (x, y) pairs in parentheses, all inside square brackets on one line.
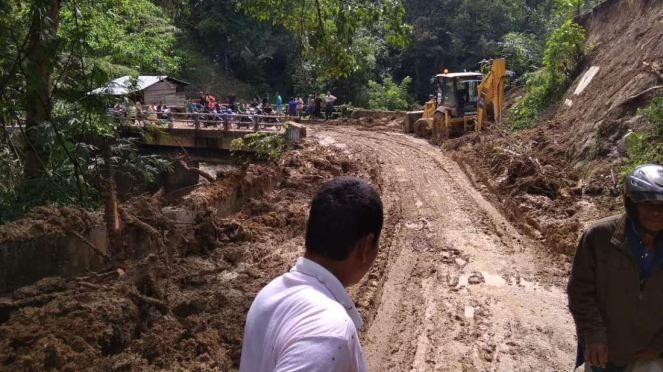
[(462, 103)]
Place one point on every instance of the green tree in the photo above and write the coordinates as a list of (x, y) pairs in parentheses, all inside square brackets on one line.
[(523, 52), (389, 95), (327, 30), (54, 53), (564, 51)]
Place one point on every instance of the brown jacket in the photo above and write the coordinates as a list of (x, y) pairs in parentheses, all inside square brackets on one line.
[(605, 297)]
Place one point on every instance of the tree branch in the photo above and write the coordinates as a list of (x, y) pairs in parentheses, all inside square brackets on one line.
[(96, 250)]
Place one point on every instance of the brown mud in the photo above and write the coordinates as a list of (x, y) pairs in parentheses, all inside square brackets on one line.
[(462, 288), (184, 310)]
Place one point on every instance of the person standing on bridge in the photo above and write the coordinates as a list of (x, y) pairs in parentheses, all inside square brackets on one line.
[(317, 106), (305, 320), (310, 105), (616, 285), (329, 105), (292, 107), (279, 104), (300, 105), (231, 101)]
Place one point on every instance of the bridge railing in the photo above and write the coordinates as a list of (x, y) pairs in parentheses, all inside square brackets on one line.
[(222, 121)]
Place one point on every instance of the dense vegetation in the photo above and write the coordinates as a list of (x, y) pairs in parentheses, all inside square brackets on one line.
[(563, 52), (58, 145), (647, 147)]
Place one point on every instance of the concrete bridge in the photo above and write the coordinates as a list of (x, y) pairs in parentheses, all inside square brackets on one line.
[(209, 131)]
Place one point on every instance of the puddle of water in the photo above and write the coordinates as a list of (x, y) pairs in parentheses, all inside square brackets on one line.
[(493, 280)]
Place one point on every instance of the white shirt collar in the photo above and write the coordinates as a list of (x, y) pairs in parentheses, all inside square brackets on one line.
[(332, 283)]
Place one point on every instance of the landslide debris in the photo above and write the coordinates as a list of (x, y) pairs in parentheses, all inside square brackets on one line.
[(185, 311)]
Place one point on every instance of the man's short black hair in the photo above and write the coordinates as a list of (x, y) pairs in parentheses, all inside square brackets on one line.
[(343, 211)]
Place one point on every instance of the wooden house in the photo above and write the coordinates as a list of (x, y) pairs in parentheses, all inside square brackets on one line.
[(147, 89)]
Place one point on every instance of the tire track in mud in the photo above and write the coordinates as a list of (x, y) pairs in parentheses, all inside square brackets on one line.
[(463, 289)]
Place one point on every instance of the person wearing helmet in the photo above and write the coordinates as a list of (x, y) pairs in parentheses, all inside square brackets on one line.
[(616, 285)]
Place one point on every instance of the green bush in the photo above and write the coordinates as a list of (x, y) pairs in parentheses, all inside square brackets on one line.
[(542, 89), (654, 114), (564, 51), (646, 148), (388, 95), (641, 149), (268, 146)]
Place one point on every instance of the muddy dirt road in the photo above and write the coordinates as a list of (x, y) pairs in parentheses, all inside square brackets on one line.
[(463, 290)]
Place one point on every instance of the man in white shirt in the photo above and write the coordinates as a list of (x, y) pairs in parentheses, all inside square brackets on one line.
[(304, 320), (329, 107)]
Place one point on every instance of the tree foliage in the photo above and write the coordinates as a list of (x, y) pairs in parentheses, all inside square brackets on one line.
[(564, 51), (523, 52), (266, 146), (327, 30), (389, 95), (54, 53), (654, 114)]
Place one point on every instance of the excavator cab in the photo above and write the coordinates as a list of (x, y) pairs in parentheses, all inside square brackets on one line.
[(458, 92)]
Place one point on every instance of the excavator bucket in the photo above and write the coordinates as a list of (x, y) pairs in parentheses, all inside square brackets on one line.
[(491, 91)]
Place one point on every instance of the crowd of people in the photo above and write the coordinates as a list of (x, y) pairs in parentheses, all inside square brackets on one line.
[(297, 106), (213, 110)]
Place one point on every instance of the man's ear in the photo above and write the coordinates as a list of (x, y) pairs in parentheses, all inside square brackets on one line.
[(364, 247)]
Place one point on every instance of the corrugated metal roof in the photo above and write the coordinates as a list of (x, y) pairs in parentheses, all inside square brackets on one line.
[(122, 85)]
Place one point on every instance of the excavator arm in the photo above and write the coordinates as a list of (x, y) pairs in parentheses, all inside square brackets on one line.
[(491, 91)]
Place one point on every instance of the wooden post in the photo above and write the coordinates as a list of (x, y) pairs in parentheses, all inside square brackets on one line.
[(255, 123), (196, 120), (225, 123)]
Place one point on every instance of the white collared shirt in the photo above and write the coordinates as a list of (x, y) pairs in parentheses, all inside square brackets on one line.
[(303, 320)]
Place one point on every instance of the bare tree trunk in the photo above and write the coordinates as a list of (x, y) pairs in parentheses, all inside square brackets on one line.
[(111, 215), (41, 56)]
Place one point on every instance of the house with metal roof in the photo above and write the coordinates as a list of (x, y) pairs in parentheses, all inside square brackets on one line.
[(147, 89)]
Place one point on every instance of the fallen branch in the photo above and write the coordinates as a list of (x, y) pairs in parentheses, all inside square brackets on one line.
[(96, 250), (92, 286), (163, 250), (32, 301), (507, 151), (159, 193), (160, 305), (206, 175), (636, 96)]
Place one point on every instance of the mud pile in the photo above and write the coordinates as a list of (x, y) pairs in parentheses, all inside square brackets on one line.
[(43, 221), (386, 124), (536, 189), (185, 310)]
